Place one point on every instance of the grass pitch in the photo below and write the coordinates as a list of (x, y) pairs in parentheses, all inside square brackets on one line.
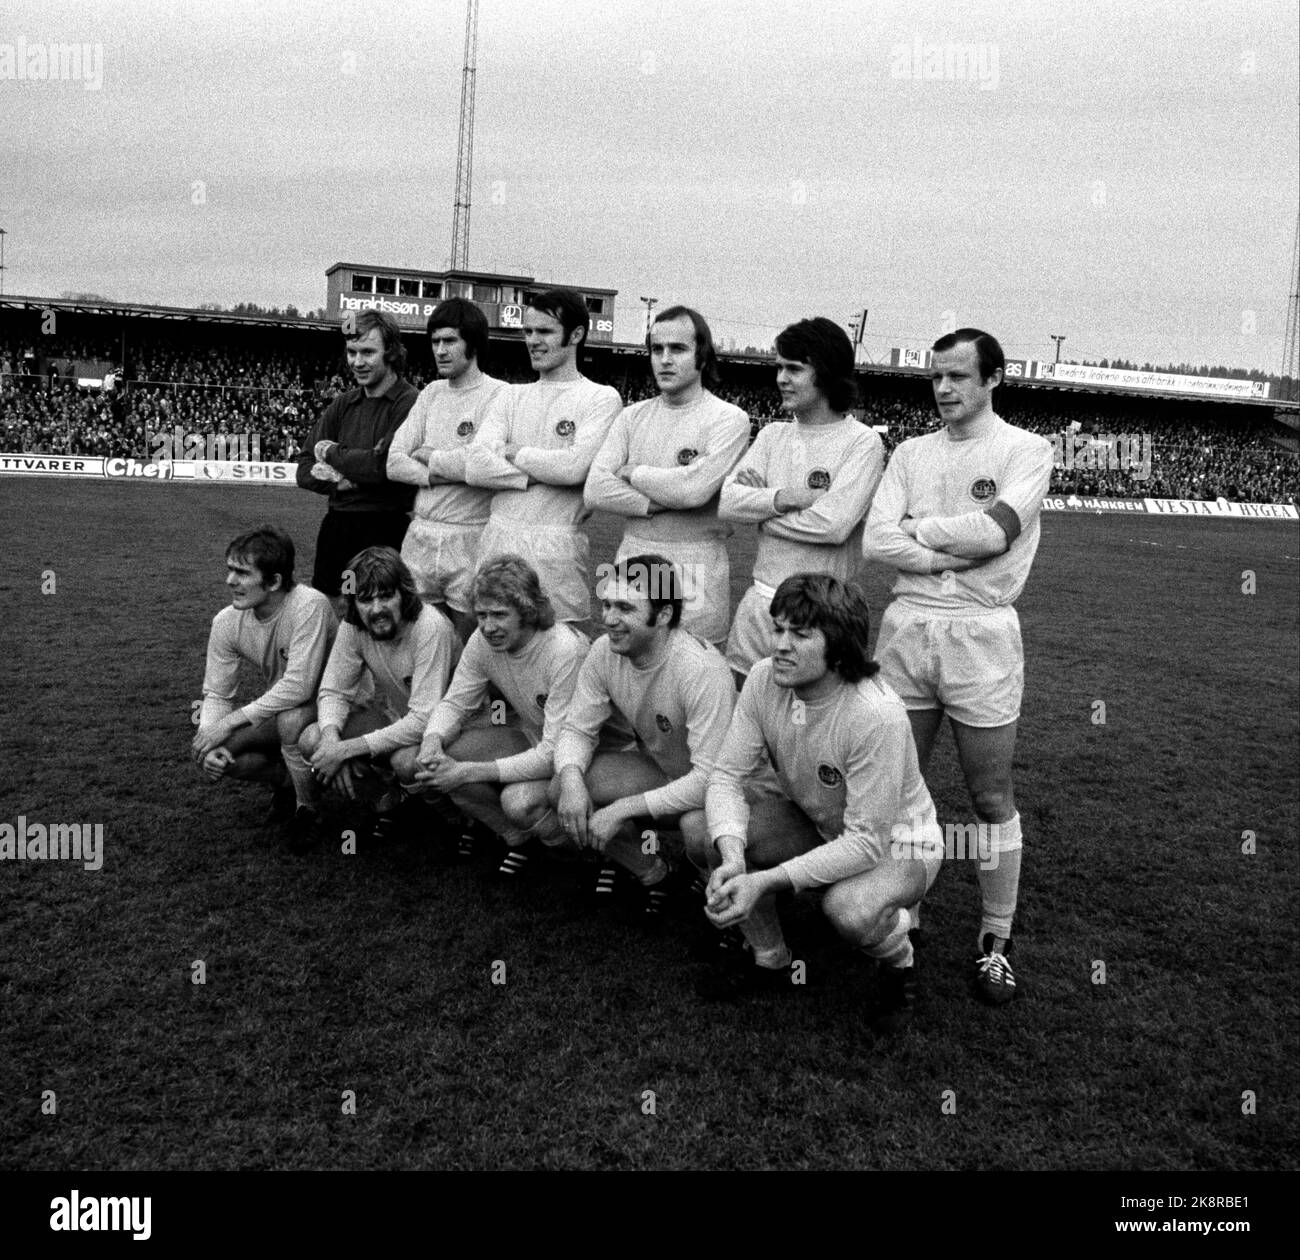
[(373, 973)]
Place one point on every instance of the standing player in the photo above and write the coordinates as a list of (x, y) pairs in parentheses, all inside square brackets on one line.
[(428, 451), (663, 464), (389, 668), (957, 516), (535, 449), (674, 691), (856, 819), (285, 630), (499, 773), (807, 485), (346, 457)]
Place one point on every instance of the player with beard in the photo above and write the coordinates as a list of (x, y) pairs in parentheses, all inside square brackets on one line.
[(428, 451), (283, 629), (535, 449), (663, 464), (389, 668), (855, 820), (806, 485), (675, 693), (958, 516)]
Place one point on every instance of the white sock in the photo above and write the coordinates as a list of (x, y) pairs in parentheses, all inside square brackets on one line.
[(304, 785), (773, 959), (1000, 879)]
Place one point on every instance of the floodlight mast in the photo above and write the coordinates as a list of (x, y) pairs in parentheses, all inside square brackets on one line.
[(465, 144)]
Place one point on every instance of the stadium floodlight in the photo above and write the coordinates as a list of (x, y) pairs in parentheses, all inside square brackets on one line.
[(650, 304), (1058, 338), (3, 234)]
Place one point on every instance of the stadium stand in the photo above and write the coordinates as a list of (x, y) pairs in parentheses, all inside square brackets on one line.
[(274, 388)]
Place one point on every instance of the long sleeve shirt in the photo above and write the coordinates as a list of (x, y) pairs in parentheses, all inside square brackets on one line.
[(363, 428), (678, 708), (288, 649), (442, 424), (848, 761), (410, 675), (679, 457), (946, 485), (842, 459), (558, 428), (538, 682)]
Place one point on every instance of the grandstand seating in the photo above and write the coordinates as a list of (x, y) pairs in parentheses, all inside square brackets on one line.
[(174, 379)]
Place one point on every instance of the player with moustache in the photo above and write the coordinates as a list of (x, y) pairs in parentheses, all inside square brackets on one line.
[(663, 464), (389, 667), (499, 773), (428, 451), (675, 693), (806, 485), (346, 457), (957, 515), (535, 449), (284, 630), (855, 820)]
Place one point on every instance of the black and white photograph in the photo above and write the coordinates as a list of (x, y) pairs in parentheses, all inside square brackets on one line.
[(685, 586)]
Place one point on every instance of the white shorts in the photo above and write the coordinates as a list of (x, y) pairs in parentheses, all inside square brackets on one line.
[(750, 639), (443, 559), (706, 581), (559, 555), (972, 667)]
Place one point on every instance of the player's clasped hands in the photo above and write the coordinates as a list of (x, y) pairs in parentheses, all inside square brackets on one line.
[(731, 895), (574, 809), (217, 763), (330, 765)]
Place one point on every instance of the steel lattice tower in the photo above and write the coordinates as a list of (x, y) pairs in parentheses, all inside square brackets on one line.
[(1291, 346), (465, 143)]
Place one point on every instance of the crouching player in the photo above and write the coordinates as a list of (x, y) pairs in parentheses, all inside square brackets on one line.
[(285, 630), (389, 668), (499, 773), (676, 693), (857, 820)]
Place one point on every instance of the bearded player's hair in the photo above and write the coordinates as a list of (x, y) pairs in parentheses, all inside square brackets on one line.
[(380, 571)]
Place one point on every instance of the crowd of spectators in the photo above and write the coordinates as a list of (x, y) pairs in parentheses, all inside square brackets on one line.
[(275, 397)]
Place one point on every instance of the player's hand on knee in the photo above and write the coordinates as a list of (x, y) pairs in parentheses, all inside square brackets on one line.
[(573, 810), (603, 826)]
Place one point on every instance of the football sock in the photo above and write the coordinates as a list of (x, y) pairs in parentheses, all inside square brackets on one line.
[(773, 959), (656, 875), (304, 785), (895, 950), (488, 813), (547, 830), (914, 915), (1000, 879), (763, 929), (625, 849)]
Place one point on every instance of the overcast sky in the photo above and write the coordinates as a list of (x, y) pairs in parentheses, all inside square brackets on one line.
[(1125, 174)]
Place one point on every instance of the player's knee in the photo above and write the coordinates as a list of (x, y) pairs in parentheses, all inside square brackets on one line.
[(309, 739), (404, 764), (993, 804), (855, 916), (523, 804), (290, 724)]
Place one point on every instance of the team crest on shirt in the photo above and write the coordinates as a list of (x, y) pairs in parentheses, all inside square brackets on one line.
[(540, 697), (663, 723), (829, 776), (564, 428), (686, 454), (465, 428), (819, 479), (983, 489)]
